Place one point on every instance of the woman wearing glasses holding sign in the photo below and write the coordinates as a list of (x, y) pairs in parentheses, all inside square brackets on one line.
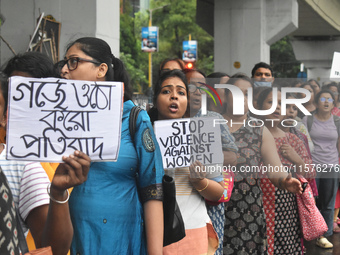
[(324, 129), (118, 209)]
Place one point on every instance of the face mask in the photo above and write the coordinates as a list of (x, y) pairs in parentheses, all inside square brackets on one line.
[(262, 84)]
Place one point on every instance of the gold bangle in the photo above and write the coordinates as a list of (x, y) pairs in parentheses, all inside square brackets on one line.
[(206, 186)]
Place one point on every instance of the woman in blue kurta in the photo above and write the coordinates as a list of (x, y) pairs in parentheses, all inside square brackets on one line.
[(118, 209)]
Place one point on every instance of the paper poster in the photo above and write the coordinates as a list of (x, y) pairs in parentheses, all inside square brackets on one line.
[(335, 70), (183, 141), (149, 39), (49, 118), (189, 51)]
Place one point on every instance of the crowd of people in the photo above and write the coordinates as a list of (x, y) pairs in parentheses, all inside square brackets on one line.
[(116, 207)]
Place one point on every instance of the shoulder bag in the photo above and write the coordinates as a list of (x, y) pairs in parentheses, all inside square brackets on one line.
[(174, 229)]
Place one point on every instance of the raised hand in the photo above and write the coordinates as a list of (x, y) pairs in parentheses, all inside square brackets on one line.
[(72, 172)]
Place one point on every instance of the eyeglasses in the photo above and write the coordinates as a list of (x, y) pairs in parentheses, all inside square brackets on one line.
[(72, 63), (192, 88), (323, 99)]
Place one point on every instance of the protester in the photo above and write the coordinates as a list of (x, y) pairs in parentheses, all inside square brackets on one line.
[(334, 87), (118, 208), (212, 80), (198, 88), (282, 218), (36, 65), (262, 73), (315, 85), (28, 182), (310, 106), (245, 219), (171, 64), (170, 102), (326, 157), (8, 224)]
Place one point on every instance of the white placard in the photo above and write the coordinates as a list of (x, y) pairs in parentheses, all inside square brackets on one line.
[(335, 70), (183, 141), (49, 118)]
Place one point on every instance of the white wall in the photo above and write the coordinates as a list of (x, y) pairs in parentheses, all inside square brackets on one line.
[(78, 18), (244, 30)]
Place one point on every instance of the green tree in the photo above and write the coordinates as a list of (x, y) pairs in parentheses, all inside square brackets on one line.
[(282, 59), (176, 21), (130, 52)]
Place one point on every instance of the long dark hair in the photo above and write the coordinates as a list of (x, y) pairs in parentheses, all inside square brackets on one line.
[(153, 112), (99, 50), (4, 90)]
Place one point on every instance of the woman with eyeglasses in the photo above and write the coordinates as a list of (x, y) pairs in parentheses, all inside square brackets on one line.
[(118, 209), (334, 87), (324, 130), (197, 89)]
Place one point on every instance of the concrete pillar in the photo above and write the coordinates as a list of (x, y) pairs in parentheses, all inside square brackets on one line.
[(78, 18), (244, 30), (317, 56)]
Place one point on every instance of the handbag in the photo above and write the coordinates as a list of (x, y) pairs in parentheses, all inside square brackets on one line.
[(174, 229), (312, 222)]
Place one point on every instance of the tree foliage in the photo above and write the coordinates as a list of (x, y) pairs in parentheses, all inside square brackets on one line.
[(282, 59), (176, 21)]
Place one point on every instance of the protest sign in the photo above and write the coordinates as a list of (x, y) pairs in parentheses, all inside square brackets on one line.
[(335, 70), (51, 117), (183, 141)]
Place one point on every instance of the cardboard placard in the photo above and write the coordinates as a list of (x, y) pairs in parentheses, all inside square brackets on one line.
[(49, 118), (183, 141)]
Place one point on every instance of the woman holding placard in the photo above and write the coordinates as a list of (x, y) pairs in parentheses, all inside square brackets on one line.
[(118, 209), (170, 102)]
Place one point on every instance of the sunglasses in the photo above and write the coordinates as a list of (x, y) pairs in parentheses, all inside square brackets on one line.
[(72, 63), (323, 99), (193, 88)]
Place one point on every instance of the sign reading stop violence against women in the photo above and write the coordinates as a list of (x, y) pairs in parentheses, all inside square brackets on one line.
[(183, 141), (50, 117)]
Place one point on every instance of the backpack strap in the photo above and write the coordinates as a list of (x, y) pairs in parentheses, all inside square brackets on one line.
[(133, 120), (336, 119), (337, 123), (310, 119)]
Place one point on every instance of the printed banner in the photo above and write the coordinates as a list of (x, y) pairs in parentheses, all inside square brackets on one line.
[(183, 141), (149, 39), (49, 118), (189, 51)]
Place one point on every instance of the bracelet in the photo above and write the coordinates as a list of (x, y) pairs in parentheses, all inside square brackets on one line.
[(199, 190), (55, 200)]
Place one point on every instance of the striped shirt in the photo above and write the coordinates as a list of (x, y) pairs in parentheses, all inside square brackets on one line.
[(28, 182)]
